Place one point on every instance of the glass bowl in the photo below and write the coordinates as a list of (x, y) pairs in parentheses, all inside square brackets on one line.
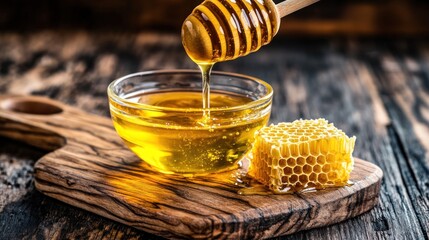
[(159, 116)]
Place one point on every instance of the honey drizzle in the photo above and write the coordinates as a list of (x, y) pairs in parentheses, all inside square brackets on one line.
[(205, 74), (249, 186)]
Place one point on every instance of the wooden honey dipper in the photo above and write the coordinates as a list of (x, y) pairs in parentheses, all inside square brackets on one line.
[(221, 30)]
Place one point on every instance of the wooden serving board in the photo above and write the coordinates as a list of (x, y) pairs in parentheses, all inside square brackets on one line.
[(90, 168)]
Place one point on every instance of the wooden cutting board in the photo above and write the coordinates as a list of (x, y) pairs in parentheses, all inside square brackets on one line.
[(90, 168)]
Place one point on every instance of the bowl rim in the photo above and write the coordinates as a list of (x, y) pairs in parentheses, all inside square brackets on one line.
[(142, 106)]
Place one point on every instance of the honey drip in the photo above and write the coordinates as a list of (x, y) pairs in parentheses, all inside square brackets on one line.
[(205, 74), (247, 185)]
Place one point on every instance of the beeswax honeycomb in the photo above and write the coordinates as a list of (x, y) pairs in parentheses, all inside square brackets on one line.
[(290, 157)]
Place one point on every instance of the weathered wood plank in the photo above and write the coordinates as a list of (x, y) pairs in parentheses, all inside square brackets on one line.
[(405, 84)]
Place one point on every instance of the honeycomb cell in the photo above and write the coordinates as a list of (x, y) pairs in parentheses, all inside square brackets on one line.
[(293, 178), (314, 146), (317, 169), (285, 179), (313, 177), (303, 179), (287, 171), (302, 154), (275, 161), (324, 147), (322, 178), (294, 150), (321, 160), (326, 168), (300, 161), (291, 162), (304, 149), (307, 169), (285, 151), (311, 160), (297, 169)]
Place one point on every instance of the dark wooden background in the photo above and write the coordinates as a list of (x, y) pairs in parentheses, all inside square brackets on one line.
[(362, 64), (327, 17)]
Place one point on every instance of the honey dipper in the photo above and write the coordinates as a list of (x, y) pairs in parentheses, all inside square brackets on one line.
[(220, 30)]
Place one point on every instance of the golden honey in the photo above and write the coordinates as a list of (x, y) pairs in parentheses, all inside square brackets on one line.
[(177, 138)]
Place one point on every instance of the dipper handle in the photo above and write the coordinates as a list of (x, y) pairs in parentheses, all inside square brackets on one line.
[(289, 6)]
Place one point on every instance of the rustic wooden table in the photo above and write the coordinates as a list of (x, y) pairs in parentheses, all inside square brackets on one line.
[(377, 90)]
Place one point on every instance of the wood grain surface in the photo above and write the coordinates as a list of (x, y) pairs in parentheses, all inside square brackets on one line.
[(90, 168), (375, 89)]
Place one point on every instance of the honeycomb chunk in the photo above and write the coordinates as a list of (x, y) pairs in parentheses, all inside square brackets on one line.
[(290, 157)]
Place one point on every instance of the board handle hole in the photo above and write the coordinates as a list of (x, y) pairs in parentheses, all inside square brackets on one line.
[(30, 106)]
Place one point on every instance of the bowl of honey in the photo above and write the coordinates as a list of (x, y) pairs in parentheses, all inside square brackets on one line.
[(161, 118)]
